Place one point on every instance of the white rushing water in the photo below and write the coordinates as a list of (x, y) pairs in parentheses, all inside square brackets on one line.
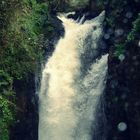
[(72, 82)]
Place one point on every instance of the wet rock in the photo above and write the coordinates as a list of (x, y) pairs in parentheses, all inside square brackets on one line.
[(26, 126)]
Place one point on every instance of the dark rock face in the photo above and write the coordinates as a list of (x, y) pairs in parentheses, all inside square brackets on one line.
[(51, 37), (122, 93), (122, 102), (26, 126), (86, 12)]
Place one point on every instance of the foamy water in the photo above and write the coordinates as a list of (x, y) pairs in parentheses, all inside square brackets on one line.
[(72, 82)]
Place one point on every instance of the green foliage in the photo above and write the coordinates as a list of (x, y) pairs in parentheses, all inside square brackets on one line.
[(21, 39), (5, 80), (119, 49), (6, 117), (6, 11), (132, 37), (7, 105), (134, 34), (21, 27), (110, 21)]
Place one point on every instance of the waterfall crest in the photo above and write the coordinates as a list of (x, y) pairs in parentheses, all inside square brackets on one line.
[(72, 82)]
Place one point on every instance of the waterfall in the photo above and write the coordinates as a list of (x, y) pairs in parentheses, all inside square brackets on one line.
[(72, 82)]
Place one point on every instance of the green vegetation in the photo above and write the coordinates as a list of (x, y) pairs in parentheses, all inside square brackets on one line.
[(120, 49), (21, 24), (7, 104), (133, 36)]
